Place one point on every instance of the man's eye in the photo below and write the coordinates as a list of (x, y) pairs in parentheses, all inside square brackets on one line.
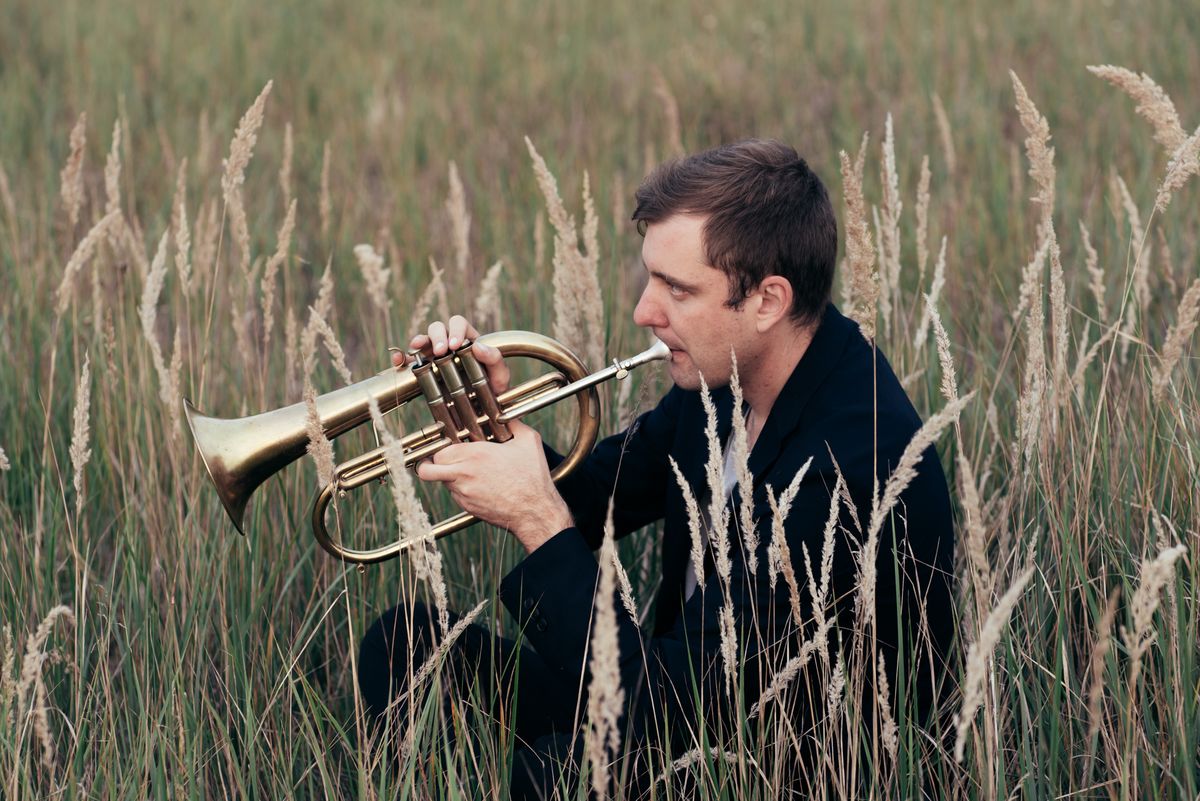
[(676, 290)]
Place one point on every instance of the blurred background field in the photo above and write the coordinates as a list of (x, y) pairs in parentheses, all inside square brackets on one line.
[(199, 664)]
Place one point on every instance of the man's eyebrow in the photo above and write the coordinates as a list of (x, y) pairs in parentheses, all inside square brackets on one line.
[(670, 279)]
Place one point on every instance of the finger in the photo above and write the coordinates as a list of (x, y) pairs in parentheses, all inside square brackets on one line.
[(429, 471), (437, 337), (399, 358), (418, 342), (459, 330), (493, 361)]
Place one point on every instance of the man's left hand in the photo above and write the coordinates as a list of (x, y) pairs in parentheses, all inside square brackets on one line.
[(506, 484)]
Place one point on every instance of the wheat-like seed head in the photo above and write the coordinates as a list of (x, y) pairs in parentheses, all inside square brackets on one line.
[(1178, 336), (975, 528), (949, 384), (1153, 104), (460, 222), (4, 463), (278, 260), (285, 166), (1156, 573), (435, 292), (1185, 162), (31, 681), (487, 309), (605, 694), (1095, 695), (82, 255), (1058, 324), (889, 242), (741, 466), (179, 226), (1039, 152), (1095, 272), (883, 702), (670, 107), (980, 654), (935, 290), (694, 523), (318, 326), (435, 660), (863, 283), (944, 133), (325, 203), (81, 431), (71, 176), (375, 277), (112, 172), (923, 219)]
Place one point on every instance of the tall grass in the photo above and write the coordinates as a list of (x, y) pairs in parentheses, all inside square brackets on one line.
[(150, 652)]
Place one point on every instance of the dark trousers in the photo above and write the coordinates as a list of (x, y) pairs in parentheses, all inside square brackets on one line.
[(515, 682)]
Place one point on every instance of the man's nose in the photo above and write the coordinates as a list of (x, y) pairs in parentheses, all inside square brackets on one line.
[(647, 313)]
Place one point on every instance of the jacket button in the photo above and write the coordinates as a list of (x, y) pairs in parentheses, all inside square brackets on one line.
[(540, 624), (528, 604)]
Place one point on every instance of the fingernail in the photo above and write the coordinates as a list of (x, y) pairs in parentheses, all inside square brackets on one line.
[(485, 349), (454, 342)]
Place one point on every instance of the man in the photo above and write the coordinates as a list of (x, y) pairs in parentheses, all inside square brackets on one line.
[(739, 246)]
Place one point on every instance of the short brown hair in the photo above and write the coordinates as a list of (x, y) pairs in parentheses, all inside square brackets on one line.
[(768, 214)]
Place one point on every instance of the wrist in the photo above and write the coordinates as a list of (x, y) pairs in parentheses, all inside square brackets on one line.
[(541, 526)]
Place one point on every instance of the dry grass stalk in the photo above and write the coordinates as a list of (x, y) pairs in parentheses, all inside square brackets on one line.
[(71, 176), (591, 298), (605, 695), (975, 529), (1031, 280), (1058, 324), (436, 291), (1153, 104), (1029, 405), (980, 654), (923, 219), (112, 173), (883, 702), (1166, 261), (1141, 270), (539, 243), (241, 149), (4, 463), (82, 255), (578, 303), (741, 466), (935, 291), (1095, 694), (1185, 162), (8, 676), (460, 222), (695, 525), (375, 277), (837, 688), (1039, 153), (412, 521), (318, 326), (168, 382), (944, 133), (1140, 636), (291, 348), (179, 227), (10, 210), (31, 682), (1087, 356), (487, 310), (670, 107), (285, 166), (81, 432), (208, 234), (278, 259), (718, 520), (889, 242), (784, 677), (439, 654), (863, 294), (324, 302), (949, 383), (1095, 272), (1178, 336), (779, 553), (325, 204), (320, 448)]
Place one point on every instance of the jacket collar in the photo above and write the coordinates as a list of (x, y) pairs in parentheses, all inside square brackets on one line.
[(822, 355)]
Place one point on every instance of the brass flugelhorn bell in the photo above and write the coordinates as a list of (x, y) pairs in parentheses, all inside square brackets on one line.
[(240, 454)]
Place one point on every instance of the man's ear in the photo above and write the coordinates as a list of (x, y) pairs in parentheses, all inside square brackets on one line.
[(774, 302)]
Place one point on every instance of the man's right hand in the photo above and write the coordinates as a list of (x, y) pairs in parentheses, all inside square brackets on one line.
[(445, 337)]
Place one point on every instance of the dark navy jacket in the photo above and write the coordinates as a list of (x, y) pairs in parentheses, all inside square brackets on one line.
[(826, 412)]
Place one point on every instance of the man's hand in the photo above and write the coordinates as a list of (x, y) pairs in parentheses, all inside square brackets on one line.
[(507, 484), (445, 337)]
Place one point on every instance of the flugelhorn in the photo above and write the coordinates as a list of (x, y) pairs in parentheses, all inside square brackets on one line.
[(240, 454)]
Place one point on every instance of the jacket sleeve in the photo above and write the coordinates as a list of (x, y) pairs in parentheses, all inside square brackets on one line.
[(630, 467), (671, 682)]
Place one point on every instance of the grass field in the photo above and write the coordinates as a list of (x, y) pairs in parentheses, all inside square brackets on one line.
[(149, 652)]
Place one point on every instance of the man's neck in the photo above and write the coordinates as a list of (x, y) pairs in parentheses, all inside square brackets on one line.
[(762, 385)]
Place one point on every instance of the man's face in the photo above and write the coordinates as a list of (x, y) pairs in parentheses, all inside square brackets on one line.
[(684, 305)]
